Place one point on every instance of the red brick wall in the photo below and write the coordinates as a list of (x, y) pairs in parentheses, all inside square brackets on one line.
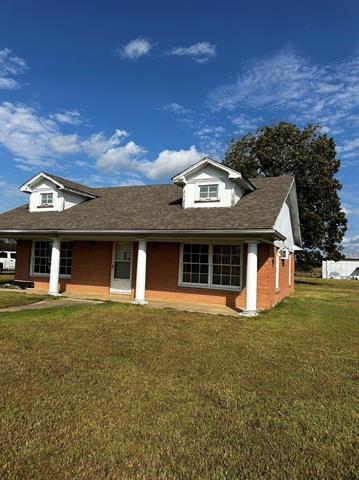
[(284, 287), (91, 268), (162, 279), (91, 273), (23, 255)]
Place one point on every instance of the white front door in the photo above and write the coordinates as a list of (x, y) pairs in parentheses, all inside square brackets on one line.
[(122, 267)]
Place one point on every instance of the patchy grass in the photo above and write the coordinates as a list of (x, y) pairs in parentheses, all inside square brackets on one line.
[(14, 299), (124, 392), (6, 278)]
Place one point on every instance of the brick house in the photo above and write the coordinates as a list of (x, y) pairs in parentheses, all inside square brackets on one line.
[(211, 236)]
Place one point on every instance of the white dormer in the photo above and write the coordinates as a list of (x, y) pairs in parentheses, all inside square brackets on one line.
[(208, 183), (53, 194)]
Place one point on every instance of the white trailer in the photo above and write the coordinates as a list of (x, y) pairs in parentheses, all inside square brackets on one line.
[(348, 268)]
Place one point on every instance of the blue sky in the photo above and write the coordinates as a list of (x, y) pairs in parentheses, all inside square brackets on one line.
[(123, 93)]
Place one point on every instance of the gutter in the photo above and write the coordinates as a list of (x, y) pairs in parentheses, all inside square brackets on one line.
[(54, 232)]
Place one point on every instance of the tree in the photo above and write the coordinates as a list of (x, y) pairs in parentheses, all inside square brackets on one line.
[(7, 244), (310, 156)]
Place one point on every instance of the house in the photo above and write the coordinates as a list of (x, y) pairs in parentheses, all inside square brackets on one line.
[(211, 236)]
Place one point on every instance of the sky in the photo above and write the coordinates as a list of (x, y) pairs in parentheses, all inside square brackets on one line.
[(131, 92)]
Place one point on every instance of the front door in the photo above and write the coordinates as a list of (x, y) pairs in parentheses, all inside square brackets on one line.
[(121, 268)]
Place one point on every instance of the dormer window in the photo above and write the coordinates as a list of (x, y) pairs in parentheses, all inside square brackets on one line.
[(208, 193), (47, 199), (210, 184)]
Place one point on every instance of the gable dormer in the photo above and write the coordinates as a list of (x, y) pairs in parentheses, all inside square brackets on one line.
[(208, 183), (49, 193)]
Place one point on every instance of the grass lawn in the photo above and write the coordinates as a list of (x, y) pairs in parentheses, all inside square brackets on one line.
[(5, 278), (124, 392), (13, 299)]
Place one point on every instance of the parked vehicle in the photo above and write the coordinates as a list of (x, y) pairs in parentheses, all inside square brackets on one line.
[(7, 261)]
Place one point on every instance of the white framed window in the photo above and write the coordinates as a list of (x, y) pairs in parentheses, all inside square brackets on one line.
[(66, 258), (195, 263), (226, 265), (208, 193), (214, 266), (41, 258), (47, 199)]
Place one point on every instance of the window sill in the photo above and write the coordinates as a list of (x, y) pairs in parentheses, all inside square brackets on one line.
[(223, 288), (207, 201), (45, 206), (46, 275)]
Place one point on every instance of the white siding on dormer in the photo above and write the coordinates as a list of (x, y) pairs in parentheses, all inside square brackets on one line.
[(228, 191), (71, 199), (61, 199), (283, 225)]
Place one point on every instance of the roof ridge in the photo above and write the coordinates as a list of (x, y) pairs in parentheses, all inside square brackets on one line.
[(70, 183), (138, 186)]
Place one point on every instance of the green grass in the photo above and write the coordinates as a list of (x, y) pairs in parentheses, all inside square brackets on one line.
[(14, 299), (124, 392), (5, 278)]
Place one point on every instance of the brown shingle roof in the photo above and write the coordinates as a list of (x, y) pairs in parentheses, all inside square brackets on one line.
[(72, 185), (156, 207)]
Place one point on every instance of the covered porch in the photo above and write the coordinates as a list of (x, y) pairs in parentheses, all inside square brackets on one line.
[(154, 269)]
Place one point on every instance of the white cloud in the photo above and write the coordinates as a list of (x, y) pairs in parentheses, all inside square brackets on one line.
[(98, 143), (210, 132), (170, 162), (69, 117), (120, 157), (136, 48), (10, 66), (36, 142), (200, 52), (296, 87), (351, 246), (176, 108), (10, 195), (244, 123), (65, 144), (26, 134), (349, 146), (350, 210)]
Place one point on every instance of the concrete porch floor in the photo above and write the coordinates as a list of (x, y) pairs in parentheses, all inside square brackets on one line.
[(174, 304)]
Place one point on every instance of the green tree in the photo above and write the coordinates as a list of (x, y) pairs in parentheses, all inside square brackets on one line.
[(310, 156)]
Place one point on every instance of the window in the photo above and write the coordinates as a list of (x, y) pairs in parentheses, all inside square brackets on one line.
[(208, 192), (195, 264), (226, 265), (3, 255), (13, 256), (66, 258), (211, 266), (41, 261), (47, 199), (42, 258)]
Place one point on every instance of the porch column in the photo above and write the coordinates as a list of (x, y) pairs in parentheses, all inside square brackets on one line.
[(141, 273), (251, 283), (55, 267)]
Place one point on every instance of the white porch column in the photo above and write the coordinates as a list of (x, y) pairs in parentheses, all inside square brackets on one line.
[(141, 273), (251, 284), (55, 267)]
